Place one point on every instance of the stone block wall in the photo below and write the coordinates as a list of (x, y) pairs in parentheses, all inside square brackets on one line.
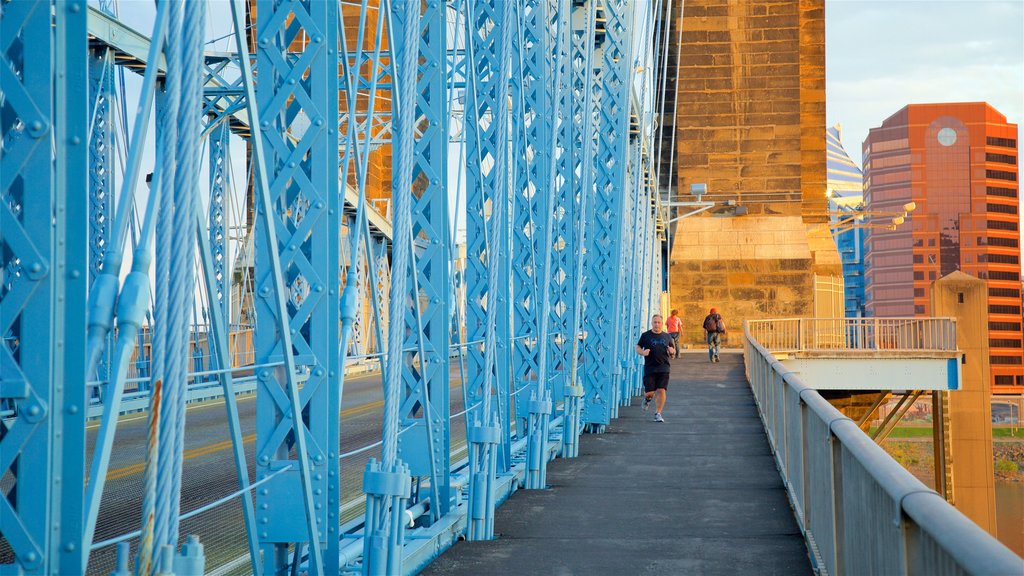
[(751, 125), (749, 267)]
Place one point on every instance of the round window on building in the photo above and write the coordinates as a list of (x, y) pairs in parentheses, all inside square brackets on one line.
[(947, 136)]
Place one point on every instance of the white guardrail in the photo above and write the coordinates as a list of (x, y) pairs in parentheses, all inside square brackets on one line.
[(867, 334), (860, 511)]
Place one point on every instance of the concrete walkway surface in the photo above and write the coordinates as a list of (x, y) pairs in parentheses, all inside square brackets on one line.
[(698, 494)]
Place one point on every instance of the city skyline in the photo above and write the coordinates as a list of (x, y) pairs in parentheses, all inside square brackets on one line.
[(956, 51)]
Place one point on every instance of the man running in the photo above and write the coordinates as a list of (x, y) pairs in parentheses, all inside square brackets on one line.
[(655, 346)]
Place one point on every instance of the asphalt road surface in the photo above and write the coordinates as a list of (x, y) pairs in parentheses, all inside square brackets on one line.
[(209, 471)]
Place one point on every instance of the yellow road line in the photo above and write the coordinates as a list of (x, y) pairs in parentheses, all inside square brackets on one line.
[(138, 468)]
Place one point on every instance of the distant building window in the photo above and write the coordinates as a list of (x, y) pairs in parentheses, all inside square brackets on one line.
[(1012, 360), (931, 275), (999, 191), (931, 241), (1004, 326), (918, 292), (1004, 142), (918, 242), (1001, 175), (1000, 225), (1004, 343), (1004, 380), (919, 309), (1001, 208), (918, 275), (1007, 242), (1001, 158), (1004, 292), (1003, 309), (1003, 259), (918, 258), (996, 275)]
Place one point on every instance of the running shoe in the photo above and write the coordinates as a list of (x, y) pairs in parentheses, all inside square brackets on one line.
[(658, 418)]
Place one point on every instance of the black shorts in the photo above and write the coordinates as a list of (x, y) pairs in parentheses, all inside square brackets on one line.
[(655, 381)]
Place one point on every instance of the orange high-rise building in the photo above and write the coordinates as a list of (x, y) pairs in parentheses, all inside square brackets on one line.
[(959, 164)]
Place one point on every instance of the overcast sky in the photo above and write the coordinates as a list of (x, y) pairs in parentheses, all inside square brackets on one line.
[(884, 54)]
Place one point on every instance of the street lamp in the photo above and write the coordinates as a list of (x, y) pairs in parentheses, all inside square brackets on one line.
[(855, 219), (698, 190)]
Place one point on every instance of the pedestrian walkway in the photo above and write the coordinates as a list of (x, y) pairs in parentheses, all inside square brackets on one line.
[(699, 494)]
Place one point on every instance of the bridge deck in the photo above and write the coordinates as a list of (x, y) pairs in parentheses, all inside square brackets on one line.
[(699, 494)]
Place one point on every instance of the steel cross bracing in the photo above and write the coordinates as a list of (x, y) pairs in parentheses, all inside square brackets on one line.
[(563, 258), (566, 230), (533, 200), (43, 255), (488, 31), (219, 174), (425, 408), (603, 239)]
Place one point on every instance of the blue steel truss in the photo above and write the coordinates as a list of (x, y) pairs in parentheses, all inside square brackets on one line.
[(297, 282), (425, 408), (489, 39), (603, 297), (220, 184), (563, 259), (44, 258)]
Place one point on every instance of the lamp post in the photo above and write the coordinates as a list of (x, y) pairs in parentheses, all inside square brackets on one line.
[(855, 219)]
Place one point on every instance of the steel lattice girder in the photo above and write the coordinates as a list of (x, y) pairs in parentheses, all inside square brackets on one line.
[(532, 99), (604, 241), (43, 255), (431, 256), (297, 97), (564, 231), (220, 185), (487, 148)]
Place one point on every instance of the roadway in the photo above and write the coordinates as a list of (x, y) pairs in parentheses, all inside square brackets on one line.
[(209, 470)]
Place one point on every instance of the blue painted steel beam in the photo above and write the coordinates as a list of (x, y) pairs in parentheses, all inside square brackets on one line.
[(530, 159), (602, 324), (43, 79), (298, 257), (425, 372), (487, 197), (220, 187)]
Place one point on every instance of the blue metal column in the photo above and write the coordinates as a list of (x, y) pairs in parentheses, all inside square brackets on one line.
[(629, 272), (297, 257), (580, 178), (563, 230), (528, 194), (603, 242), (220, 187), (487, 151), (425, 372), (43, 256), (101, 154)]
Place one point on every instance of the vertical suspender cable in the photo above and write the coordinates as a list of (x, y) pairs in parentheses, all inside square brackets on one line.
[(186, 180), (162, 337)]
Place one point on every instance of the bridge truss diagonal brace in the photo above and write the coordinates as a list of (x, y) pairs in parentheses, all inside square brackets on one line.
[(604, 242), (45, 268), (296, 55)]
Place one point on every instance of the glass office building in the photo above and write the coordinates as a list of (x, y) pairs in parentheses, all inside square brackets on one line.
[(959, 164), (845, 200)]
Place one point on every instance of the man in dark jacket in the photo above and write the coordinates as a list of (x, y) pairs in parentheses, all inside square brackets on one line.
[(656, 347), (715, 328)]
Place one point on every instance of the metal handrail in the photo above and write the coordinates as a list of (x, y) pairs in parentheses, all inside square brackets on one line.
[(860, 511), (790, 335)]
